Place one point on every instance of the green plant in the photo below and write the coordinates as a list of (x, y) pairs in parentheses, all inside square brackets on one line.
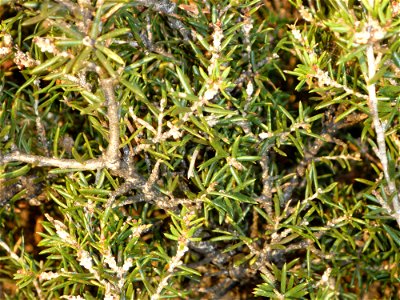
[(168, 157)]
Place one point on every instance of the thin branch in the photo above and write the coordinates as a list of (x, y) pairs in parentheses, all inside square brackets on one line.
[(42, 161), (110, 160), (379, 129), (112, 153), (328, 132)]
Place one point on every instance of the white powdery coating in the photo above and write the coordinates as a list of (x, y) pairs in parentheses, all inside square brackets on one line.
[(217, 38), (7, 39), (61, 231), (323, 78), (325, 278), (297, 35), (395, 8), (87, 41), (234, 163), (72, 297), (265, 135), (63, 235), (45, 45), (110, 261), (4, 51), (48, 275), (84, 3), (212, 120), (250, 88), (174, 131), (22, 60), (139, 230), (127, 264), (85, 260), (248, 26), (370, 33), (109, 292), (305, 13), (211, 92), (362, 37), (176, 260)]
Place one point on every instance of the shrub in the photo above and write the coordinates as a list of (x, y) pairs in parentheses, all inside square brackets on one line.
[(155, 148)]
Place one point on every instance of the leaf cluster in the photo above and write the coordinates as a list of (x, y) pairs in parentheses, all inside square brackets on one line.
[(163, 148)]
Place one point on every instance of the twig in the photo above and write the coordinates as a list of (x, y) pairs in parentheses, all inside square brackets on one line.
[(109, 160), (379, 128)]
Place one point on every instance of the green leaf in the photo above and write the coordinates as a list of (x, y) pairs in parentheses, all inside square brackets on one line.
[(189, 270), (16, 173), (184, 80), (396, 59), (378, 75), (44, 14), (141, 62), (287, 114), (106, 64), (46, 66), (298, 291), (113, 34), (391, 91), (203, 42), (135, 88), (235, 196), (111, 54), (395, 235), (283, 278)]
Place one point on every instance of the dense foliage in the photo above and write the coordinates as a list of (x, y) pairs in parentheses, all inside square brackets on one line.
[(199, 149)]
